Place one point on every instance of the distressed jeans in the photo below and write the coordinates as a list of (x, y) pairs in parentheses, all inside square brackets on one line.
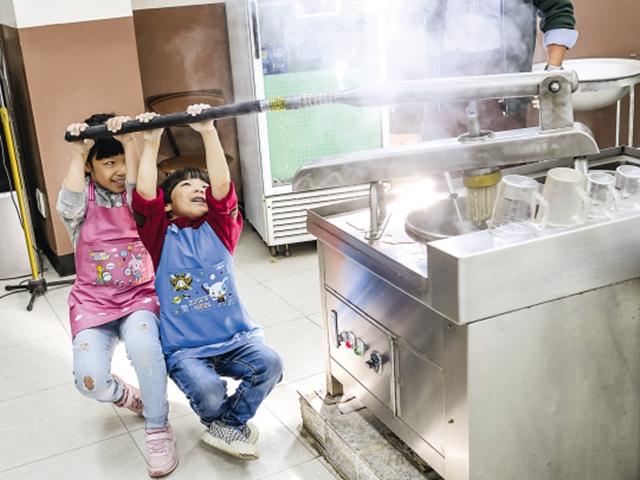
[(92, 352), (257, 366)]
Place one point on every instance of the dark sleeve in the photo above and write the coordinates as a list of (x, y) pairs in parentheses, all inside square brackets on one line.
[(556, 14), (152, 223), (224, 218)]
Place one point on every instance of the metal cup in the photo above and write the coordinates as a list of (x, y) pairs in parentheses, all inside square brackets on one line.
[(602, 195), (564, 190), (514, 213), (628, 185)]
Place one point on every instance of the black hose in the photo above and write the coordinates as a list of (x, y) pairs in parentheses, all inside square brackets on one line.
[(170, 120)]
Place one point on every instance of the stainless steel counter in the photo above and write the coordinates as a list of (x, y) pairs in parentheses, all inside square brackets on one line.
[(492, 361)]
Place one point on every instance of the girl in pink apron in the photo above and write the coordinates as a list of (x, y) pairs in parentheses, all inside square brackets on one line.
[(113, 297)]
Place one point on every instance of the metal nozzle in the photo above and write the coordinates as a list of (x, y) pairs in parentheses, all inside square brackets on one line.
[(475, 133), (473, 121)]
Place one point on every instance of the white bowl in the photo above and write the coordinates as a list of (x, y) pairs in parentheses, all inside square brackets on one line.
[(603, 81)]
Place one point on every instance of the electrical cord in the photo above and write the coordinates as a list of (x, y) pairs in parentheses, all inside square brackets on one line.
[(18, 277), (9, 179), (53, 289), (10, 293)]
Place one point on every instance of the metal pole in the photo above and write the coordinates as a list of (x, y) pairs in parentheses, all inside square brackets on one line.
[(374, 214), (618, 123), (17, 181), (632, 113)]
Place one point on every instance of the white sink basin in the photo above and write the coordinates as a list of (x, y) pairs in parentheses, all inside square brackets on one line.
[(603, 81)]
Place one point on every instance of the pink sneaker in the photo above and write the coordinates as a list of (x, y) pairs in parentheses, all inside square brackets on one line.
[(131, 397), (161, 452)]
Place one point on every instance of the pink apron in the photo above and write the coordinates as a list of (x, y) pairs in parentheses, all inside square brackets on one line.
[(114, 272)]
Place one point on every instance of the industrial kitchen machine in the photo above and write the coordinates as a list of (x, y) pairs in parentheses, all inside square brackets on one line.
[(491, 359)]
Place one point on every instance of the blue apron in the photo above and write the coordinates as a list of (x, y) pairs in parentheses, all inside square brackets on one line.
[(200, 312)]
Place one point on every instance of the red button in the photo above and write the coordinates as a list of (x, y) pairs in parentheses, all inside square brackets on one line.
[(348, 344)]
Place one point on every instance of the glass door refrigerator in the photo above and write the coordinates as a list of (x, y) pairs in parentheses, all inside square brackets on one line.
[(289, 47)]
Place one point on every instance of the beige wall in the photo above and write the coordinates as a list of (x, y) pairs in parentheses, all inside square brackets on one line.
[(186, 49), (69, 72)]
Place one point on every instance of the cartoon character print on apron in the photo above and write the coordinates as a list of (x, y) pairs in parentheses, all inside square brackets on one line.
[(114, 272), (197, 291)]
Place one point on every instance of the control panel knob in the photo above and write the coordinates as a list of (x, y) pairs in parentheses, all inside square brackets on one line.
[(375, 362)]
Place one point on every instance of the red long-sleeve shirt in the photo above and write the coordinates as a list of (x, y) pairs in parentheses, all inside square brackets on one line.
[(223, 217)]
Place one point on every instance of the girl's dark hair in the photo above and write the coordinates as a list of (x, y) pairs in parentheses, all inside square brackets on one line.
[(186, 173), (103, 147)]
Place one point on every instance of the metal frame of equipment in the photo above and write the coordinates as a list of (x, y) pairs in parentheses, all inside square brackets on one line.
[(556, 136)]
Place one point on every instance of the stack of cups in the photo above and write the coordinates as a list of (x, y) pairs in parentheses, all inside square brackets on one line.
[(569, 198), (573, 199)]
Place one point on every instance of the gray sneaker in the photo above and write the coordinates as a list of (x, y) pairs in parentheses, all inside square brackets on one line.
[(251, 431), (236, 441)]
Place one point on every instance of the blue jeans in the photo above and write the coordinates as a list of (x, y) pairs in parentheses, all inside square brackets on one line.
[(92, 352), (257, 366)]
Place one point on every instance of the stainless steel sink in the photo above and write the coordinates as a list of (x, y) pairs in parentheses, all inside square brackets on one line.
[(438, 221), (603, 81)]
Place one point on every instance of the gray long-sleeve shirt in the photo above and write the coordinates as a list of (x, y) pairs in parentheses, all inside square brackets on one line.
[(72, 206)]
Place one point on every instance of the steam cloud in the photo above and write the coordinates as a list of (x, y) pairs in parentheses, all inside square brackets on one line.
[(357, 42)]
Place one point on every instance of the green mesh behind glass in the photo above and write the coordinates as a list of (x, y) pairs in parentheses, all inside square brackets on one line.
[(300, 136)]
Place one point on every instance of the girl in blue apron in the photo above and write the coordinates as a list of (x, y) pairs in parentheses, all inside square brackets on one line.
[(191, 227)]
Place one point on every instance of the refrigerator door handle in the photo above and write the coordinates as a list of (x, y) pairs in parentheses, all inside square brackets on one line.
[(255, 29)]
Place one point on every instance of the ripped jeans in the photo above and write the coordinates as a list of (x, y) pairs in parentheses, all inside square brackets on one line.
[(92, 352)]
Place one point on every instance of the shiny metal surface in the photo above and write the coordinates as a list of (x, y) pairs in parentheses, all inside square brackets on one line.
[(476, 276), (603, 81), (557, 137), (378, 215), (382, 303), (542, 384), (556, 109), (506, 148), (437, 221), (553, 392), (379, 380), (469, 88), (421, 404)]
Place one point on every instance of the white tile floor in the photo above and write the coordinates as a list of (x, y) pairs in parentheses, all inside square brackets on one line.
[(48, 430)]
